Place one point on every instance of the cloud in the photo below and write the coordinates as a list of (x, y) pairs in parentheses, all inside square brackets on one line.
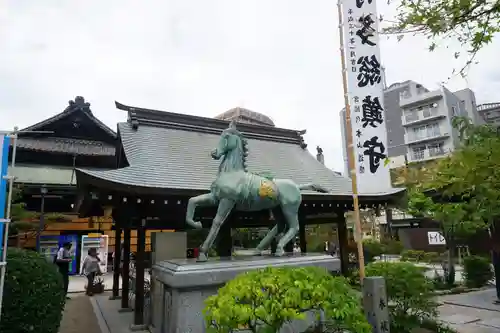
[(199, 57)]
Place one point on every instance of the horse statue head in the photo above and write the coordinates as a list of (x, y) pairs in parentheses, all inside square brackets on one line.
[(233, 150)]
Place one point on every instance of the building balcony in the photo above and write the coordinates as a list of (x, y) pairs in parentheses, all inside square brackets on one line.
[(416, 117), (420, 155), (411, 138), (407, 100)]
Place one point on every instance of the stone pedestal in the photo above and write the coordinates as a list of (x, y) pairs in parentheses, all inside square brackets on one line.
[(182, 285)]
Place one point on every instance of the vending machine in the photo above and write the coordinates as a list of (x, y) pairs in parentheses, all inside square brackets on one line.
[(74, 251), (100, 243)]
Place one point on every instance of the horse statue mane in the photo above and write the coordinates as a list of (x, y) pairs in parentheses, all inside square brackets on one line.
[(236, 158)]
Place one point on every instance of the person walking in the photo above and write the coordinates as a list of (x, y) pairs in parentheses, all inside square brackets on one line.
[(63, 261), (90, 268)]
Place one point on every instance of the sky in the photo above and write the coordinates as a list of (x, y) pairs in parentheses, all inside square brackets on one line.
[(203, 57)]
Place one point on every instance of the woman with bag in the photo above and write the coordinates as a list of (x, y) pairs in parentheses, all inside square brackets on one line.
[(90, 269)]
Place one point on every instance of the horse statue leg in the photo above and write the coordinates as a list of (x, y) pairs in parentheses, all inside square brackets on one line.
[(204, 200), (290, 213), (266, 241), (223, 211)]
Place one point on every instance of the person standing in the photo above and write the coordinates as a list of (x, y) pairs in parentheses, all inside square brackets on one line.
[(90, 268), (63, 261)]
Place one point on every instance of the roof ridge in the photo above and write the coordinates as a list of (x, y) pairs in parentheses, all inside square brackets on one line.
[(78, 105), (157, 118)]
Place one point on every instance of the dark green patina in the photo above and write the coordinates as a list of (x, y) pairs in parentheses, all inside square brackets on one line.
[(236, 188)]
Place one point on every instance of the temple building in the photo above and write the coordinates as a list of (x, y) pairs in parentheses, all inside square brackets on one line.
[(47, 154)]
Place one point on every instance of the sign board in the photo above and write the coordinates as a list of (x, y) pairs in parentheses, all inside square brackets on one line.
[(4, 164), (435, 238), (365, 86)]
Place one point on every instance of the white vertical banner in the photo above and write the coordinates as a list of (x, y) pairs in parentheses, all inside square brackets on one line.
[(366, 95)]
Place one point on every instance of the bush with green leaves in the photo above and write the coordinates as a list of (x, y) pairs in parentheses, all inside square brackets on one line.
[(409, 292), (265, 300), (372, 248), (33, 294), (477, 271), (392, 246), (413, 255)]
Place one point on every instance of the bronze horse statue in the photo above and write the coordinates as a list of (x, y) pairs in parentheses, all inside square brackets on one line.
[(236, 188)]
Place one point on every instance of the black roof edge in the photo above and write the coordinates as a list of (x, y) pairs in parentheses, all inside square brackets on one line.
[(150, 117), (78, 104), (87, 181)]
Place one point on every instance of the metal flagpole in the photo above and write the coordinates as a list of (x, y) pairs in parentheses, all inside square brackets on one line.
[(10, 177), (350, 151)]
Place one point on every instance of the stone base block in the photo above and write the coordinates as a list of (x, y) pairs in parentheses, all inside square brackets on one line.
[(181, 286)]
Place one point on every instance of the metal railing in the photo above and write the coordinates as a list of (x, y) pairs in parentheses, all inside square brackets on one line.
[(487, 106)]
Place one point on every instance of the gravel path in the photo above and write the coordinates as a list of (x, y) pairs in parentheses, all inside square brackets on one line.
[(79, 316)]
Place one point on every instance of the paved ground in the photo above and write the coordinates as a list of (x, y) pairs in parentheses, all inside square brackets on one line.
[(471, 312), (77, 283), (79, 316), (109, 318)]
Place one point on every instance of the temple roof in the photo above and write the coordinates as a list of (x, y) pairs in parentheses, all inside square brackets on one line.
[(168, 151), (75, 131)]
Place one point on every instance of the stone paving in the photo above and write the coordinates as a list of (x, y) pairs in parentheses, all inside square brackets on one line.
[(79, 316), (110, 318), (77, 283), (472, 312)]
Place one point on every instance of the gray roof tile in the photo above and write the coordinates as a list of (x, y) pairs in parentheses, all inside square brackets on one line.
[(65, 145), (180, 159)]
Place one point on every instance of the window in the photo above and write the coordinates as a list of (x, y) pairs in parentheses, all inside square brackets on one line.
[(411, 115), (424, 132), (435, 149), (433, 130), (417, 153), (454, 111), (405, 94)]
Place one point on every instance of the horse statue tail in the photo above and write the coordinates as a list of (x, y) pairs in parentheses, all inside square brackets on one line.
[(313, 187)]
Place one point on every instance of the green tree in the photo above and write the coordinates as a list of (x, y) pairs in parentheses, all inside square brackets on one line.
[(473, 23), (468, 182), (25, 221), (21, 218)]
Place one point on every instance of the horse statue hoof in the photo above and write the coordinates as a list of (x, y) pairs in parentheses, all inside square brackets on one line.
[(279, 253), (202, 257), (196, 225)]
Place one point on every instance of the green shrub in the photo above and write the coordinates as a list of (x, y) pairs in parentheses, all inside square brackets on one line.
[(372, 248), (477, 271), (33, 296), (412, 255), (432, 257), (392, 246), (409, 292), (264, 300)]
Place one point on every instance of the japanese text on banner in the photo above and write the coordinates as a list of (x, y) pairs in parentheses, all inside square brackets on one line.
[(366, 96)]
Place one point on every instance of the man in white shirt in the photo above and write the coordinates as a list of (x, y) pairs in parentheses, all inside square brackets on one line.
[(63, 261)]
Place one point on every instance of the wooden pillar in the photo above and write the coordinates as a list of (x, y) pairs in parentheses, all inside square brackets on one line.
[(126, 267), (116, 262), (389, 219), (302, 234), (140, 266), (225, 240), (343, 243)]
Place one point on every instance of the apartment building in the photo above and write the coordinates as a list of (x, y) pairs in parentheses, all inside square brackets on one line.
[(418, 121), (490, 113)]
